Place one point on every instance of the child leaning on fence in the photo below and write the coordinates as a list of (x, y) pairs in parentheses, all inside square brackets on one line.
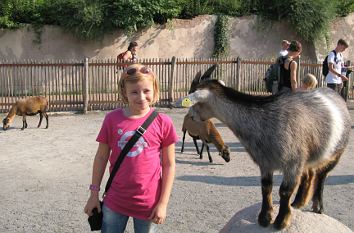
[(142, 186)]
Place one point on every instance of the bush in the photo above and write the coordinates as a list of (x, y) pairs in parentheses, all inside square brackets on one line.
[(92, 18), (15, 13), (309, 18), (131, 15), (344, 7), (201, 7), (221, 37), (83, 18)]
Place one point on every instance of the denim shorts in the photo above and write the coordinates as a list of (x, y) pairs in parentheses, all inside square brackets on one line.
[(114, 222)]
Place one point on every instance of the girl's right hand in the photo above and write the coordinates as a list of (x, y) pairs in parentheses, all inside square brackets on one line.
[(92, 202)]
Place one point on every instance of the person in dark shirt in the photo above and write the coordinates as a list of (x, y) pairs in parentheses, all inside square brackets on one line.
[(289, 69)]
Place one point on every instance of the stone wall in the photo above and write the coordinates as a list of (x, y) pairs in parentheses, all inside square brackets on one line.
[(182, 38)]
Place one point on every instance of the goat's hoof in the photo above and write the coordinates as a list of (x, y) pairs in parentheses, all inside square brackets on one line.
[(318, 211), (264, 219), (281, 224), (316, 208), (297, 205)]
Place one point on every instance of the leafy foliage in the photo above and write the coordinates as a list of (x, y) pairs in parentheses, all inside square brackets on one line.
[(132, 15), (221, 37), (92, 18), (311, 18), (15, 13), (344, 7)]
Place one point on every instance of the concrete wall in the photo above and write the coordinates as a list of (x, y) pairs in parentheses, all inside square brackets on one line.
[(182, 38), (251, 38)]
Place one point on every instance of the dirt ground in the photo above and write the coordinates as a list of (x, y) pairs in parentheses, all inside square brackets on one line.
[(45, 174)]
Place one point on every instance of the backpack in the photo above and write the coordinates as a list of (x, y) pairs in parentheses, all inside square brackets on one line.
[(325, 68), (121, 55), (273, 74)]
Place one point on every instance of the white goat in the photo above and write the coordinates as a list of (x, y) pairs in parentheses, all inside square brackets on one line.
[(301, 134)]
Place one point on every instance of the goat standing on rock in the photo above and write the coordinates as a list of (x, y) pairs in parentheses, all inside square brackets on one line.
[(301, 134), (27, 107)]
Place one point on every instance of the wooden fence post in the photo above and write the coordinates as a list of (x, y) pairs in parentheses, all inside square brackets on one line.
[(346, 84), (85, 86), (238, 72), (170, 81), (298, 79)]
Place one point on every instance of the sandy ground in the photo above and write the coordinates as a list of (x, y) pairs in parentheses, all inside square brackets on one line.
[(45, 175)]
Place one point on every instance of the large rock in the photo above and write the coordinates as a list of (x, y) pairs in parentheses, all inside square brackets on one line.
[(245, 221)]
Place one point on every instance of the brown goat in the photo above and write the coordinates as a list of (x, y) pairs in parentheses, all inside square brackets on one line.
[(207, 132), (27, 107)]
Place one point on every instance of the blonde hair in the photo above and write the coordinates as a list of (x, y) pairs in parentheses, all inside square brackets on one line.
[(285, 42), (141, 72), (309, 81)]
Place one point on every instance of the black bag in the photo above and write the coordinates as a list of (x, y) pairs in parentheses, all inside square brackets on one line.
[(95, 220), (325, 68), (273, 74)]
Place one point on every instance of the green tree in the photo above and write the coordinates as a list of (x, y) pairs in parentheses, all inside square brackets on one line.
[(309, 18), (131, 15), (93, 18)]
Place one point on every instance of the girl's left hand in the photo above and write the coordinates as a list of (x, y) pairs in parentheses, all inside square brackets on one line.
[(158, 215)]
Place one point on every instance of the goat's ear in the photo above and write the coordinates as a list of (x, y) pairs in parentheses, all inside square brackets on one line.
[(197, 77), (208, 73), (195, 82)]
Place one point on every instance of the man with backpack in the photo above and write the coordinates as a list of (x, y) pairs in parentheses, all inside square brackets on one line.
[(282, 75), (332, 67)]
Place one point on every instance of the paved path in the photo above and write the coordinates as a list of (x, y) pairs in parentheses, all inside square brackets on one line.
[(45, 175)]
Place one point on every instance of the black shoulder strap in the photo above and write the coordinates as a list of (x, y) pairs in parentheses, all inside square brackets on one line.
[(335, 55), (139, 132)]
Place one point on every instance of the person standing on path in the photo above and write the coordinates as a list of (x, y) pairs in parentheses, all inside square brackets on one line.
[(335, 77), (142, 186)]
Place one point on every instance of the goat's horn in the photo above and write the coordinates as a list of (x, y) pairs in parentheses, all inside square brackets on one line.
[(208, 73)]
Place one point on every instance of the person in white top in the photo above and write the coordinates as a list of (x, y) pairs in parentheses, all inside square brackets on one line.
[(284, 48), (335, 78)]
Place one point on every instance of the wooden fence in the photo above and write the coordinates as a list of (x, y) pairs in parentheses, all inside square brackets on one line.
[(93, 84)]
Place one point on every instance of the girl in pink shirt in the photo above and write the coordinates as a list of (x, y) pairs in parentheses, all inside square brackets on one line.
[(142, 186)]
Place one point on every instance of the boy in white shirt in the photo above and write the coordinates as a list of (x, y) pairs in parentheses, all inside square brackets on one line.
[(335, 78)]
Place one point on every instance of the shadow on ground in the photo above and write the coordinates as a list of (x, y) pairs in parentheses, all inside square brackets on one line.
[(255, 180)]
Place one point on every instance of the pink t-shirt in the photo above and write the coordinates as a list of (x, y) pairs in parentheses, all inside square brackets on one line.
[(136, 187)]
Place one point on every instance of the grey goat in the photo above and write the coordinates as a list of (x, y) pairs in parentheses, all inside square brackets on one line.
[(301, 134)]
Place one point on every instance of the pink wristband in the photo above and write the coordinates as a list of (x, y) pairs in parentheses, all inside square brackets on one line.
[(94, 188)]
